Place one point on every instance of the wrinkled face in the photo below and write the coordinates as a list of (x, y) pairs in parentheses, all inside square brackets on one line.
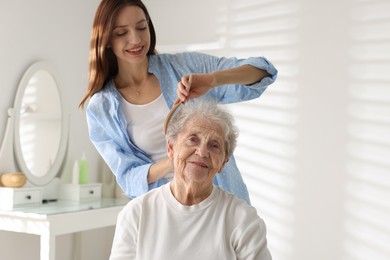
[(199, 151), (130, 38)]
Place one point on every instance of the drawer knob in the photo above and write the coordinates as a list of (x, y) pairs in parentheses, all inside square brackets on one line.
[(91, 192), (28, 197)]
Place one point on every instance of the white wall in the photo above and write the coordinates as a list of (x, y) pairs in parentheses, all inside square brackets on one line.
[(313, 149), (57, 32)]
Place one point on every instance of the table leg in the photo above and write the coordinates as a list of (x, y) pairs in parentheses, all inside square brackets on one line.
[(48, 246)]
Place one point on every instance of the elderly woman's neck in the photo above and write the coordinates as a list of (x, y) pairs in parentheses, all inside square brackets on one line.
[(190, 194)]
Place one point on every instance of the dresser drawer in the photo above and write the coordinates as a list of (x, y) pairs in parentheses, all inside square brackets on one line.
[(12, 197), (90, 191), (28, 196), (80, 192)]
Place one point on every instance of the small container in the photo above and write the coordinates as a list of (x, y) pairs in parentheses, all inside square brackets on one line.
[(13, 179)]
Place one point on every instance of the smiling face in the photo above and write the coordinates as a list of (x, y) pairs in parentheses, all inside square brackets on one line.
[(130, 38), (198, 152)]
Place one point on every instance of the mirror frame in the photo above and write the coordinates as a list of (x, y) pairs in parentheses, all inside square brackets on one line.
[(58, 161)]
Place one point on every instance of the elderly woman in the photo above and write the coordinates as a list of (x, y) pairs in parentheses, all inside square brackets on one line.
[(190, 218)]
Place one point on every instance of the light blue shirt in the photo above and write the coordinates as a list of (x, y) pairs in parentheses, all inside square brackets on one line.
[(107, 123)]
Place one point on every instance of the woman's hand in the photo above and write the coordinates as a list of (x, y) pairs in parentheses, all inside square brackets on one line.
[(194, 85), (159, 169)]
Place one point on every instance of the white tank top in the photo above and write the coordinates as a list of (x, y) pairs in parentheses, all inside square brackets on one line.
[(144, 126)]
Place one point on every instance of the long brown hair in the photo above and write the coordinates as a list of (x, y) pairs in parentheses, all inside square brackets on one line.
[(102, 61)]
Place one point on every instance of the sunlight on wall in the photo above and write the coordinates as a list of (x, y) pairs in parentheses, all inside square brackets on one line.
[(266, 148), (367, 222)]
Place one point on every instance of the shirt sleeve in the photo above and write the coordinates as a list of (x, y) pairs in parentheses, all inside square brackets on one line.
[(129, 165), (231, 93), (249, 239), (124, 245)]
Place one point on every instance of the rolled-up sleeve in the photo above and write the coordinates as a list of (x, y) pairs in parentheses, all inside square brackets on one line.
[(129, 166)]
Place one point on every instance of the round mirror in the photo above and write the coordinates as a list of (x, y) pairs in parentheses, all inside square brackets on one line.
[(40, 128)]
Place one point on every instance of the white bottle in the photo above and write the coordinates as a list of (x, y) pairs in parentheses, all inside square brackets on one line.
[(75, 173)]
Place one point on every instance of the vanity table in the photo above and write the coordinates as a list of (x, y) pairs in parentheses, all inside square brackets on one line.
[(52, 219), (36, 143)]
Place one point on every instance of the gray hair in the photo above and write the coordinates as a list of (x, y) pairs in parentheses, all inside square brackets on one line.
[(209, 111)]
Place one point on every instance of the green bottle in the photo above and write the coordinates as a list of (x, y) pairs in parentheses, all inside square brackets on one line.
[(84, 170)]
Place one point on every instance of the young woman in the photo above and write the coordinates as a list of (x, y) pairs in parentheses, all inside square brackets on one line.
[(132, 88)]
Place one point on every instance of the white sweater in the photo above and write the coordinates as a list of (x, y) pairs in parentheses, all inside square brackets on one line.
[(155, 226)]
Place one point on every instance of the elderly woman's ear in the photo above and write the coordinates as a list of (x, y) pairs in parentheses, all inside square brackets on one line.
[(170, 150), (223, 164)]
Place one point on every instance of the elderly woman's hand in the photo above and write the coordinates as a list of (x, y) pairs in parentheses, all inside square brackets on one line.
[(194, 85)]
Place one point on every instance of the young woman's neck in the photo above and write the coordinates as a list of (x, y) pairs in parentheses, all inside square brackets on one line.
[(131, 74)]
